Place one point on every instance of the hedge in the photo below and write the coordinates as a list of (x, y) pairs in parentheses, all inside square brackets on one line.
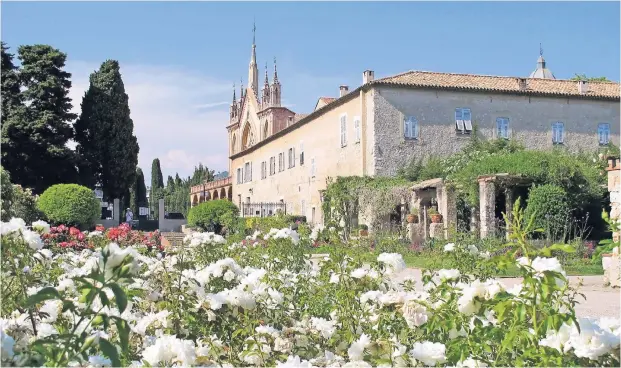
[(212, 215)]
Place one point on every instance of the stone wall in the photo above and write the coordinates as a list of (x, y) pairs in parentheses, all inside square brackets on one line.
[(530, 120), (614, 187)]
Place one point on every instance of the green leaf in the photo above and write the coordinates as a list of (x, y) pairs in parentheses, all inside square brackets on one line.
[(104, 298), (47, 293), (123, 328), (110, 351), (119, 296)]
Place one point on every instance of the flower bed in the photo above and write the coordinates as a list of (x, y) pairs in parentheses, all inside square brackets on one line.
[(263, 302), (70, 237)]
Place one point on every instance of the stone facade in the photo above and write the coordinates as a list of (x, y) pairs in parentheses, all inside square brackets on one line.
[(530, 120), (217, 189), (277, 155)]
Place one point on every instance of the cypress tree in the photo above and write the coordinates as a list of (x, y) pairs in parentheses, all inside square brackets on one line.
[(105, 133), (35, 134), (138, 193), (157, 186)]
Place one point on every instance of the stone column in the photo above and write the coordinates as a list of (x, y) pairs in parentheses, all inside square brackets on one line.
[(161, 210), (487, 206), (116, 214), (448, 209), (474, 221), (614, 187)]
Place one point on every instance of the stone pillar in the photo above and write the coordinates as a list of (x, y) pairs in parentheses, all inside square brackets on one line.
[(116, 211), (474, 221), (509, 199), (614, 187), (161, 213), (487, 206), (448, 209)]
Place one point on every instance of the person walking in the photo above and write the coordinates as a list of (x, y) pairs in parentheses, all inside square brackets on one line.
[(129, 216)]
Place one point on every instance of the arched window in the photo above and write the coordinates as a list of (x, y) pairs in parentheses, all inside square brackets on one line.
[(233, 143), (246, 137), (265, 130)]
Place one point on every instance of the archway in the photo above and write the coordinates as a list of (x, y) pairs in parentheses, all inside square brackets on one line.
[(233, 142), (223, 193), (207, 196), (265, 130), (247, 136), (230, 194), (194, 200), (215, 194), (201, 199)]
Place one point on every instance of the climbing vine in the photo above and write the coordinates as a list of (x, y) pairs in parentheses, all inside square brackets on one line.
[(346, 197)]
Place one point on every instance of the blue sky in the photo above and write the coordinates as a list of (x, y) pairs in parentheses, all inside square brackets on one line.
[(180, 60)]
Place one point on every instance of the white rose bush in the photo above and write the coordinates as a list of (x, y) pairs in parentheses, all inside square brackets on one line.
[(264, 301)]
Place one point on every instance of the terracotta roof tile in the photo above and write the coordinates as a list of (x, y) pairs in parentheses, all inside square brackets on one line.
[(608, 90), (327, 100)]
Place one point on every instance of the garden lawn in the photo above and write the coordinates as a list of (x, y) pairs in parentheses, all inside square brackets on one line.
[(436, 261)]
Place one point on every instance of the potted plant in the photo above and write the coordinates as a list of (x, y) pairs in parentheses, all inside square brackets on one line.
[(436, 218), (364, 230), (412, 217)]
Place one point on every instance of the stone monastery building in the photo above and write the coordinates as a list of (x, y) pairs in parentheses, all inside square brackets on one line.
[(283, 158)]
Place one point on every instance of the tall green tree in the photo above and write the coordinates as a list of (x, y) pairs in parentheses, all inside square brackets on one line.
[(138, 193), (35, 134), (105, 134), (157, 186), (170, 184), (11, 94)]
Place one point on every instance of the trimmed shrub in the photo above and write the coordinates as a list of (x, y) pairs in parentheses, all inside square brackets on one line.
[(212, 215), (70, 204), (548, 204)]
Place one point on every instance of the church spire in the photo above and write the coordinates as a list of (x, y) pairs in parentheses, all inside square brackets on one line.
[(234, 99), (275, 71), (253, 71), (267, 82)]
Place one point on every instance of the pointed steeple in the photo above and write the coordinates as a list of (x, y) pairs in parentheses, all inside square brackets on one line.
[(253, 71), (265, 97), (275, 88), (234, 99)]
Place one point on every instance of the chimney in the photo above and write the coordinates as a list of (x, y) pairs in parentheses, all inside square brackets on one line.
[(522, 86), (583, 87), (344, 90), (368, 76)]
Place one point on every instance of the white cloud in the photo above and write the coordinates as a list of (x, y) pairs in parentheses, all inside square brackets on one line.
[(177, 115)]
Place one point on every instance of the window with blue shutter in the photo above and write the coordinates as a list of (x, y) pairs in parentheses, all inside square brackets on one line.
[(410, 128), (558, 133), (463, 120), (502, 128), (459, 120), (603, 133)]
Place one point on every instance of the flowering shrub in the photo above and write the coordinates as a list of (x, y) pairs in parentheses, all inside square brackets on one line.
[(266, 302), (62, 237)]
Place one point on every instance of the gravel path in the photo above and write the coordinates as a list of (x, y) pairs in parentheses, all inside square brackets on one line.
[(601, 301)]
